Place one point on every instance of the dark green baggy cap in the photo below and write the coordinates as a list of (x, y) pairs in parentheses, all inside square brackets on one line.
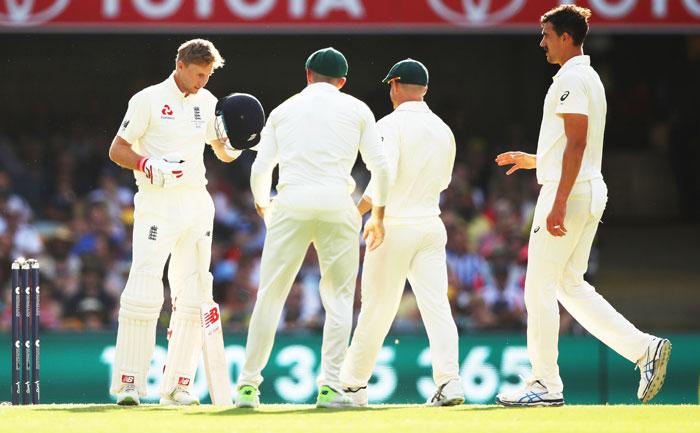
[(329, 62), (408, 71)]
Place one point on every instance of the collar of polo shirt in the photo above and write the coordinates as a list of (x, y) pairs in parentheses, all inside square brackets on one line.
[(320, 87), (576, 60), (419, 106), (173, 85)]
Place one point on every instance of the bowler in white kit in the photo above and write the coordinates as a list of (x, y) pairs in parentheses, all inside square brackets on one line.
[(162, 139), (567, 214), (420, 150)]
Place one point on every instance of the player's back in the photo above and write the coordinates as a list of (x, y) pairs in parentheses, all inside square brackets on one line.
[(426, 148), (318, 133)]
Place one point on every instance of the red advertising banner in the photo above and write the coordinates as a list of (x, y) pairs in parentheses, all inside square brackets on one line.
[(334, 15)]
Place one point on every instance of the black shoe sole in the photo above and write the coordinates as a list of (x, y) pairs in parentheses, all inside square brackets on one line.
[(546, 403)]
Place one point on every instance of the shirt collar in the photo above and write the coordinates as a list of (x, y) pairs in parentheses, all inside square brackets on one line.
[(320, 87), (172, 85), (419, 106), (574, 61)]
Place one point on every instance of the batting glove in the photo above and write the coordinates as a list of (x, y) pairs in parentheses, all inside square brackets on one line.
[(161, 172)]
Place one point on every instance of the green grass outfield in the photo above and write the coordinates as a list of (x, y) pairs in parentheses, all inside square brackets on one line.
[(382, 418)]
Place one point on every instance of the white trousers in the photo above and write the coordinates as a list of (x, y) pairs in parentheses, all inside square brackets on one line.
[(555, 270), (335, 235), (416, 251), (166, 221)]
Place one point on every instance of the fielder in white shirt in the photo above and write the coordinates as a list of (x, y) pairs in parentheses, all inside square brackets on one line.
[(568, 211), (420, 149), (314, 136), (162, 138)]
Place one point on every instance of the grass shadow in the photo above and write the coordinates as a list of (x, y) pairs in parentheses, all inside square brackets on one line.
[(103, 408), (308, 410)]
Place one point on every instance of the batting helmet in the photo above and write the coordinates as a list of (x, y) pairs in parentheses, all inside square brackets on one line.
[(239, 119)]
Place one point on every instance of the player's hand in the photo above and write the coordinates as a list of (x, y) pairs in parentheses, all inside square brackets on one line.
[(518, 160), (373, 233), (260, 210), (162, 171), (555, 219)]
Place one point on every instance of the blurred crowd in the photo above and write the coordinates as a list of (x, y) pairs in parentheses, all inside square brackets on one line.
[(66, 204)]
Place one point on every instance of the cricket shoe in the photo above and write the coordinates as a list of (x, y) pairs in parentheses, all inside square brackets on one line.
[(332, 398), (652, 368), (248, 397), (358, 395), (180, 396), (449, 393), (128, 396), (534, 393)]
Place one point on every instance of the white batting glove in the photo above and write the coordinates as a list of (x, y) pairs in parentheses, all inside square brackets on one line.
[(161, 171)]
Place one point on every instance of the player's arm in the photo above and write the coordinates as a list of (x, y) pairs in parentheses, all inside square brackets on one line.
[(518, 160), (223, 152), (572, 106), (264, 164), (375, 158), (576, 130), (122, 154)]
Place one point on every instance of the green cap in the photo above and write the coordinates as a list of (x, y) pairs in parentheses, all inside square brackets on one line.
[(408, 71), (329, 62)]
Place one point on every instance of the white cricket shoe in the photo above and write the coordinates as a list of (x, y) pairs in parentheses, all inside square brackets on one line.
[(357, 395), (534, 393), (449, 393), (128, 396), (180, 396), (652, 368), (332, 398)]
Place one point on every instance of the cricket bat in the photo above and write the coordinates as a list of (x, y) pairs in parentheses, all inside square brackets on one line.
[(214, 356), (215, 366)]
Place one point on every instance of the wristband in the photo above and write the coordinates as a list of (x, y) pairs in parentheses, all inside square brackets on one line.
[(141, 163)]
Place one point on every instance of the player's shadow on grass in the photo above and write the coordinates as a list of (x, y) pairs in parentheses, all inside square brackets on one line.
[(104, 408), (308, 410)]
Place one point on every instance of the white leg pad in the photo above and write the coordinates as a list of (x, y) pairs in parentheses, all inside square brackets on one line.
[(136, 339), (184, 348)]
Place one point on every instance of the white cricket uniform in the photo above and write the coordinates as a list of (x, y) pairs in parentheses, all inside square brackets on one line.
[(556, 265), (314, 137), (162, 121), (420, 149)]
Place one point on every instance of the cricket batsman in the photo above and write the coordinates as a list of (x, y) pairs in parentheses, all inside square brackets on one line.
[(420, 150), (162, 139), (314, 136), (567, 214)]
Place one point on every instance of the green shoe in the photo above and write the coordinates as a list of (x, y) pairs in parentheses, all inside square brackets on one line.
[(248, 396), (331, 398)]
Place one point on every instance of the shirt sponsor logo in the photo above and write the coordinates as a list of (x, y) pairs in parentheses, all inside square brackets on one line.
[(166, 112)]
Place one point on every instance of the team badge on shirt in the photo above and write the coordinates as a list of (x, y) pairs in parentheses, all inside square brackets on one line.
[(198, 121)]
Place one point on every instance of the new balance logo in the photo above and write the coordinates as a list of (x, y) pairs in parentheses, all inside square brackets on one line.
[(211, 317), (185, 381), (127, 379), (153, 233)]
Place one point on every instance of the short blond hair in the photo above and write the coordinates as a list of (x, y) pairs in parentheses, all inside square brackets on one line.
[(200, 52)]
